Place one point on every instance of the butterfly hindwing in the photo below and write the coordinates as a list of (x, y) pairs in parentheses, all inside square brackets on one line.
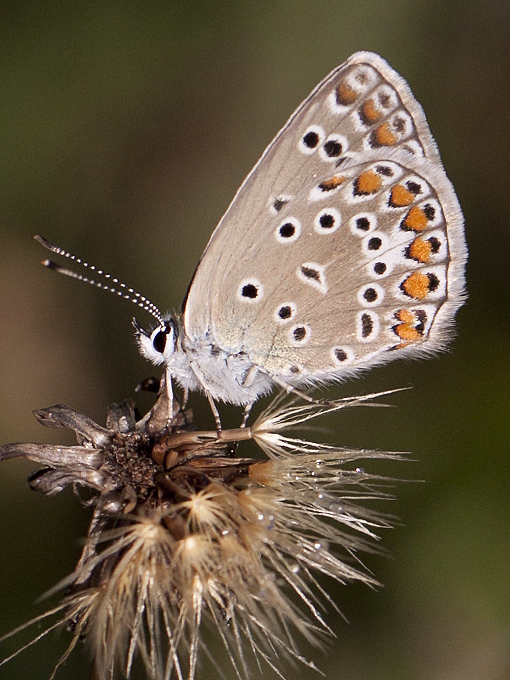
[(336, 252)]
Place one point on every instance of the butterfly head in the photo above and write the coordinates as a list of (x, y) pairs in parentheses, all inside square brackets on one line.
[(159, 342)]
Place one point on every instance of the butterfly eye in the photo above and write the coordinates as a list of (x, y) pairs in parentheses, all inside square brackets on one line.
[(159, 340)]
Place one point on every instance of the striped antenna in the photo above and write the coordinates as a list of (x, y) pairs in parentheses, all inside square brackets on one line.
[(118, 288)]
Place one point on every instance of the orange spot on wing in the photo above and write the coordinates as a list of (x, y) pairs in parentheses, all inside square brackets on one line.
[(416, 219), (368, 182), (400, 196), (345, 95), (420, 250), (407, 333), (406, 330), (417, 285), (332, 183), (405, 315), (384, 136), (369, 113)]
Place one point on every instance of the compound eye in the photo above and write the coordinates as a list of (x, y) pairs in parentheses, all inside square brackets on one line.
[(159, 340)]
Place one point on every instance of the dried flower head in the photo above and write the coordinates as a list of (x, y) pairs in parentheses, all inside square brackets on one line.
[(185, 533)]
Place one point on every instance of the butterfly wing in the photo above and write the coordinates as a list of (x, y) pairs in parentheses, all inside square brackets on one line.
[(344, 246)]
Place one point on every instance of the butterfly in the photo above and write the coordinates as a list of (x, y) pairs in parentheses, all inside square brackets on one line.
[(343, 249)]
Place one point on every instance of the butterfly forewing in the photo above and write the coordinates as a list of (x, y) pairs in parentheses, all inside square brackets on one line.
[(336, 251)]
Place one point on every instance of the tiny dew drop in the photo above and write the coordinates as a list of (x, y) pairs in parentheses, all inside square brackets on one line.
[(321, 545), (360, 470), (319, 463)]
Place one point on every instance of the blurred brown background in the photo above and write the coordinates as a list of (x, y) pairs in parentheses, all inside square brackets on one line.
[(125, 129)]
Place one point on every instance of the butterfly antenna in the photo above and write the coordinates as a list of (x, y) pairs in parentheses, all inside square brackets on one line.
[(118, 288)]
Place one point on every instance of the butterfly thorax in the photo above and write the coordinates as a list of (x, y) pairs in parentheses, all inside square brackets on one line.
[(225, 376), (200, 364)]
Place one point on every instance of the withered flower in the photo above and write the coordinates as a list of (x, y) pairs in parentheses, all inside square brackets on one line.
[(185, 533)]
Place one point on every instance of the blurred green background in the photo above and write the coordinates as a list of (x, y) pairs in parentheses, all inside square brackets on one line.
[(125, 129)]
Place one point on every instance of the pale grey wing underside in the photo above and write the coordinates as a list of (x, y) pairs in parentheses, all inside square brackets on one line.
[(338, 247)]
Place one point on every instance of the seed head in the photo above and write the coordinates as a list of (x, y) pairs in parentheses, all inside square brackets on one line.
[(186, 533)]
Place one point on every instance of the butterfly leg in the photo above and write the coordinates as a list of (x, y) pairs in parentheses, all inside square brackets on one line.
[(246, 414), (216, 413)]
